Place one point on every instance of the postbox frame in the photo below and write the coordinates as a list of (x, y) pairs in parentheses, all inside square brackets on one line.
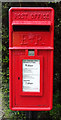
[(50, 23)]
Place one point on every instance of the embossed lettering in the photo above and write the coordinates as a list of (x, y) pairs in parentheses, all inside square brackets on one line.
[(31, 38), (20, 16), (47, 15), (42, 15), (24, 40)]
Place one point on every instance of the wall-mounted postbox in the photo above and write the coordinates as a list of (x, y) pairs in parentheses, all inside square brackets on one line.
[(31, 32)]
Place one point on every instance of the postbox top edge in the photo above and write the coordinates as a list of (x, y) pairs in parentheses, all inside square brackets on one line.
[(32, 8)]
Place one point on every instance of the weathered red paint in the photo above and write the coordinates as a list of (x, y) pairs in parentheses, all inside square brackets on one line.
[(31, 28)]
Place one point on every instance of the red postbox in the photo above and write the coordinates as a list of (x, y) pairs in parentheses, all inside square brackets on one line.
[(31, 33)]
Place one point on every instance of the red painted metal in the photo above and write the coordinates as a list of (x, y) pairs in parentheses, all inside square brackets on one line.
[(31, 29)]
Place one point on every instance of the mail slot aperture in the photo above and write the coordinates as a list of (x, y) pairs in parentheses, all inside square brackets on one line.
[(31, 28), (31, 45)]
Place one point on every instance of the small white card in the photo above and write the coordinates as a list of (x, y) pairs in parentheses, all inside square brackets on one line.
[(31, 75)]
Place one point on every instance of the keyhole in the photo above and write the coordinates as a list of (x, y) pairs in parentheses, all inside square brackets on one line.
[(18, 78)]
